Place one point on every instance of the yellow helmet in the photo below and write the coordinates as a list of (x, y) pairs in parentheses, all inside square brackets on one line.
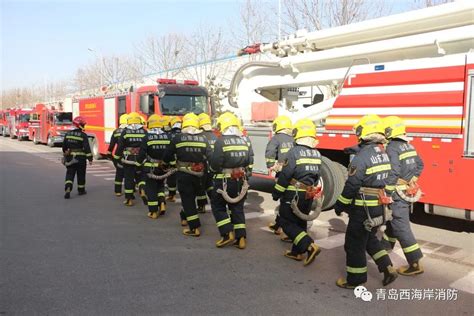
[(204, 119), (123, 119), (166, 122), (154, 121), (281, 122), (174, 120), (227, 120), (394, 126), (134, 118), (190, 120), (369, 124), (304, 128)]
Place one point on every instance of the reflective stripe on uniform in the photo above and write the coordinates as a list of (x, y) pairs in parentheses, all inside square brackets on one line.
[(380, 254), (81, 186), (391, 239), (161, 194), (270, 160), (118, 182), (201, 197), (134, 135), (158, 142), (313, 161), (222, 175), (153, 203), (299, 237), (128, 191), (151, 164), (117, 134), (407, 154), (356, 270), (223, 222), (172, 163), (69, 181), (74, 137), (141, 183), (284, 150), (239, 226), (235, 148), (344, 200), (411, 248), (279, 188), (192, 218), (190, 144), (366, 202), (390, 187), (89, 155), (172, 188), (378, 168), (293, 188), (116, 157)]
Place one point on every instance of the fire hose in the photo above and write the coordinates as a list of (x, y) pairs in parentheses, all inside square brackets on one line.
[(384, 200), (227, 198), (408, 191), (163, 176)]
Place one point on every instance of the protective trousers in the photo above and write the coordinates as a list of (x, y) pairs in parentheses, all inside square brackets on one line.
[(399, 229), (171, 184), (78, 168), (189, 187), (293, 226), (130, 175), (155, 192), (118, 177), (358, 241), (234, 219)]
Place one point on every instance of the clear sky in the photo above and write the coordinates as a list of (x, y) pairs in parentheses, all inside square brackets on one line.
[(48, 40)]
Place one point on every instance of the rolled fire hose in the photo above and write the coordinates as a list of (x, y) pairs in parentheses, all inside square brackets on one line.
[(407, 197), (163, 176), (379, 220), (68, 163), (128, 162), (227, 198), (313, 214), (191, 172)]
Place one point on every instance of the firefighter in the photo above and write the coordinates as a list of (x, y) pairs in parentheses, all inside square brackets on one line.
[(154, 171), (191, 150), (128, 149), (115, 159), (76, 151), (406, 169), (207, 187), (296, 188), (230, 162), (174, 128), (363, 198), (275, 154)]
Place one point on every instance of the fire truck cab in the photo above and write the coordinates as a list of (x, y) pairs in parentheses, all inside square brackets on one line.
[(20, 124), (48, 126)]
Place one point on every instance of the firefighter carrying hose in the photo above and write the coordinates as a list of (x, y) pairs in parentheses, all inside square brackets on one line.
[(402, 186), (174, 128), (154, 170), (76, 151), (296, 188), (128, 149), (275, 154), (230, 164), (364, 199), (191, 150), (116, 159), (207, 187)]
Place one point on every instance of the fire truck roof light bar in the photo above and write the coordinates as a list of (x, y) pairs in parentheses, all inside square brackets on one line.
[(174, 81)]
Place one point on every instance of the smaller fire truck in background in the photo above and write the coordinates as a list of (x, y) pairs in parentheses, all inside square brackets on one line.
[(19, 123), (48, 126)]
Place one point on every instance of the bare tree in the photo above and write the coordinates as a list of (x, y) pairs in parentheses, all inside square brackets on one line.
[(429, 3)]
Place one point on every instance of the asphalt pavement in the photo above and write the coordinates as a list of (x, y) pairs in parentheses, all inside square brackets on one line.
[(92, 255)]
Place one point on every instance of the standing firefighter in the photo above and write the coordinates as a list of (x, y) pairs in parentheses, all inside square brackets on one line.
[(174, 129), (276, 151), (207, 187), (297, 186), (191, 149), (364, 199), (76, 151), (128, 149), (116, 159), (230, 163), (154, 171), (402, 186)]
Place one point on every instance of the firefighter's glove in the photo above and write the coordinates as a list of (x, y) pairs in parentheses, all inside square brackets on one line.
[(339, 208), (275, 196)]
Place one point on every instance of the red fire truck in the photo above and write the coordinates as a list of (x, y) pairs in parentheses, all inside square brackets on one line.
[(8, 121), (168, 97), (19, 123), (3, 122), (48, 126)]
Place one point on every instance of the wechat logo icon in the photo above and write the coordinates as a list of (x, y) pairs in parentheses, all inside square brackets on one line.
[(362, 293)]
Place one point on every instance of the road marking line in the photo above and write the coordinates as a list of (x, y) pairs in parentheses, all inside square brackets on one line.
[(109, 178), (104, 174), (465, 284)]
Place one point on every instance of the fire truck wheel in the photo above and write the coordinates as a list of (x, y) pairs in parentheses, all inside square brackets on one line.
[(35, 139), (94, 148), (333, 182), (49, 142)]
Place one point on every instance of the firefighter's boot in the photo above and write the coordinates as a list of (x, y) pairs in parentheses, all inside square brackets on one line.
[(225, 240), (144, 197), (192, 232), (82, 192), (184, 222), (294, 256), (128, 202), (117, 194), (67, 195), (149, 214), (275, 228), (412, 269), (154, 215), (313, 251), (163, 208), (240, 243), (342, 283), (201, 209), (171, 198), (389, 275), (286, 239)]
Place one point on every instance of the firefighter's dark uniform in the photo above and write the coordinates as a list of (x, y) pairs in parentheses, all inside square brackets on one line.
[(406, 164), (151, 155), (276, 151), (190, 153), (301, 166), (207, 186), (368, 169), (114, 138), (171, 182), (76, 147), (128, 149), (230, 153)]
